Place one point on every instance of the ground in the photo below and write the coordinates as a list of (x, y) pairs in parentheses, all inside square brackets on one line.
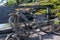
[(38, 36)]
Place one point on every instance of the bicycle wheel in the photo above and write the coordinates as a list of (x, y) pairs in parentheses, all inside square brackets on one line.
[(46, 29), (56, 29)]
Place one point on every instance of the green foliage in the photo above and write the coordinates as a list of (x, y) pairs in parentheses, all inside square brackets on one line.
[(58, 7), (26, 1), (56, 4), (56, 21), (45, 3), (53, 1), (10, 2), (58, 14), (39, 12)]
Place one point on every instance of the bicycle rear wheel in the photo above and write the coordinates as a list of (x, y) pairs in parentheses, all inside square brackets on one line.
[(56, 29)]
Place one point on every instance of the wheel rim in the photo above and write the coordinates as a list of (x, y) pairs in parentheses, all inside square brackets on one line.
[(56, 29), (47, 29)]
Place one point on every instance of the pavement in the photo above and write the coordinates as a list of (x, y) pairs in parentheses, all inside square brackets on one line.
[(37, 36), (44, 36)]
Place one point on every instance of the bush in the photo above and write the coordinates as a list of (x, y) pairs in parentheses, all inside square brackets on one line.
[(10, 2)]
